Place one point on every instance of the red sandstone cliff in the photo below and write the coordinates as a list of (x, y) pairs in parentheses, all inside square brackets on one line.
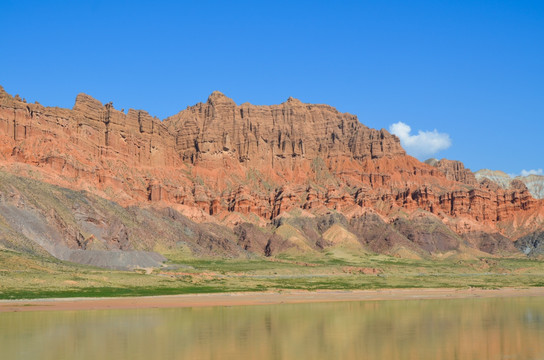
[(292, 130), (223, 162)]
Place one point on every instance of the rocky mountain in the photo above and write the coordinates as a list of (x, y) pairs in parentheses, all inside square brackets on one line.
[(251, 180), (534, 183)]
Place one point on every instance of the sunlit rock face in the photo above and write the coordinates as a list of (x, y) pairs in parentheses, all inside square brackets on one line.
[(534, 183), (228, 164)]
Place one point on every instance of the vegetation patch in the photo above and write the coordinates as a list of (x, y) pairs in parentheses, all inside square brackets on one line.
[(24, 276)]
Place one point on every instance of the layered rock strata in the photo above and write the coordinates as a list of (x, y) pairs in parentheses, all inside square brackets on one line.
[(220, 162), (534, 183)]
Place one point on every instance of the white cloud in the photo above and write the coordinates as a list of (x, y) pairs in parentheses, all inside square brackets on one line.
[(532, 172), (422, 145)]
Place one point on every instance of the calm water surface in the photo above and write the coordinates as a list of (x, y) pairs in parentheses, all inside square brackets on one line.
[(511, 328)]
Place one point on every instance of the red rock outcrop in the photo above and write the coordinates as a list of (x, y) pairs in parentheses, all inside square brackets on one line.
[(292, 130), (218, 158), (534, 183), (454, 170)]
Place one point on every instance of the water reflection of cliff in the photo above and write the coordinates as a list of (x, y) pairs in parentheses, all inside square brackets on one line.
[(425, 329)]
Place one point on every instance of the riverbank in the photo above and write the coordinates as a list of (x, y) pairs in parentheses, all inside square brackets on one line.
[(258, 298)]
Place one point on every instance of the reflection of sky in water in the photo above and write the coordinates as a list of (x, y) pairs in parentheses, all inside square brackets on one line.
[(416, 329)]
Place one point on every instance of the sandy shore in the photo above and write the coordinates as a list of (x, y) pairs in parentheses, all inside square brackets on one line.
[(257, 298)]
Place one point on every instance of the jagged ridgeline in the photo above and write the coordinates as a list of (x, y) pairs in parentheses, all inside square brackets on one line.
[(244, 180)]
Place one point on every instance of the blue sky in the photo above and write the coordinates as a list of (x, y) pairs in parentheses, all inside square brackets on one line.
[(471, 70)]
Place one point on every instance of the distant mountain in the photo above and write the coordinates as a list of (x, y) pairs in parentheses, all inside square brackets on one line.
[(534, 183)]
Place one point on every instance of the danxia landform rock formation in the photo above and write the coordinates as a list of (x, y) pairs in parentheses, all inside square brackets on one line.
[(240, 180), (534, 183)]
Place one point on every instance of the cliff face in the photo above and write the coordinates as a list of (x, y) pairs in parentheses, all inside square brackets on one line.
[(90, 130), (292, 130), (220, 162), (534, 183), (454, 171), (100, 146)]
